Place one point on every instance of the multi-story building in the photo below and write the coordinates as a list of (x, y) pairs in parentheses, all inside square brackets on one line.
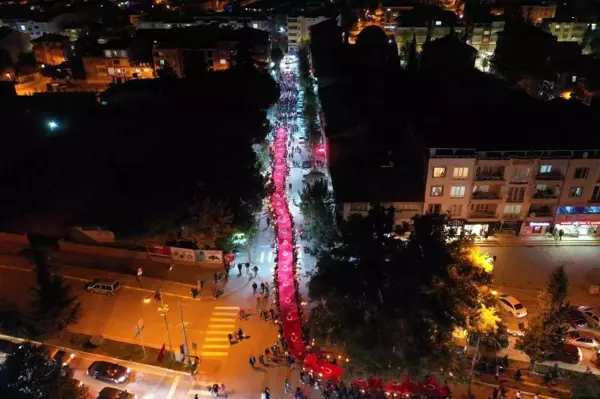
[(485, 35), (537, 11), (35, 27), (116, 63), (298, 29), (566, 31), (426, 23), (51, 49), (528, 192)]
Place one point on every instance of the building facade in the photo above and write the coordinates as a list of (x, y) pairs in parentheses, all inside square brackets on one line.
[(298, 30), (51, 49), (403, 211), (485, 36), (34, 29), (525, 192), (539, 11), (566, 31)]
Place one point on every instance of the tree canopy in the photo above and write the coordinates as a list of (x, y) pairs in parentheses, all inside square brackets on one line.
[(393, 305), (317, 205), (545, 334), (29, 373)]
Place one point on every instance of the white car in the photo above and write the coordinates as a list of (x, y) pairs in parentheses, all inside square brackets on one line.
[(512, 305), (583, 342)]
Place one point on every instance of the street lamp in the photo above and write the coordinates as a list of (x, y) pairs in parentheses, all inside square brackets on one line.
[(163, 310)]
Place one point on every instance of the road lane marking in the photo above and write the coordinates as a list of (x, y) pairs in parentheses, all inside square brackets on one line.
[(173, 387), (229, 325), (216, 346), (218, 332), (219, 319), (211, 339), (233, 314), (262, 257), (227, 307), (214, 354)]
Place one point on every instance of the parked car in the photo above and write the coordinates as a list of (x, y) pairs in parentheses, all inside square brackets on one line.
[(61, 357), (575, 338), (569, 354), (102, 286), (114, 393), (107, 371), (576, 319), (592, 315), (512, 305)]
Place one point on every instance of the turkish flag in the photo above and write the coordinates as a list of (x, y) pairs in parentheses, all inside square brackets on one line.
[(161, 354)]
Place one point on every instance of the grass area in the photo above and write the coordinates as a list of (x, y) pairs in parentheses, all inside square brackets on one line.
[(115, 349)]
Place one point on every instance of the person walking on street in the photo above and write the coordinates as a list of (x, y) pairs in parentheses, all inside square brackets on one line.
[(261, 359), (252, 361), (262, 288), (254, 287), (255, 270), (518, 395), (267, 393), (248, 268), (561, 232), (287, 386), (215, 277), (239, 269), (495, 393), (267, 289)]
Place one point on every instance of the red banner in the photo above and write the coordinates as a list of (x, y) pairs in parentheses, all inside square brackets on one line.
[(160, 250)]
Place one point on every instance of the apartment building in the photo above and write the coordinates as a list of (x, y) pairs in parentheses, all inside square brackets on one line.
[(484, 36), (51, 49), (538, 11), (35, 27), (566, 31), (527, 192), (298, 29), (424, 23), (116, 64)]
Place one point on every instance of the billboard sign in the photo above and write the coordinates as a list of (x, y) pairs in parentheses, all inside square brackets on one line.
[(183, 255), (209, 255), (159, 250)]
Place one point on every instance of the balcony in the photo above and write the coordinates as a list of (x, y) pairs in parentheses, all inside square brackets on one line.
[(485, 196), (490, 177), (511, 216), (544, 197), (594, 200), (552, 176), (515, 200), (482, 215)]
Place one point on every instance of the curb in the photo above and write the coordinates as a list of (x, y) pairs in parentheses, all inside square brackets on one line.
[(485, 384), (162, 369)]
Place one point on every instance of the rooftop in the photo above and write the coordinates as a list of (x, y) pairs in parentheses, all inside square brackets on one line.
[(50, 37)]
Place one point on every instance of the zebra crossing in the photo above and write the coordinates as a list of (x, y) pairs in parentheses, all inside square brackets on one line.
[(265, 256), (221, 323)]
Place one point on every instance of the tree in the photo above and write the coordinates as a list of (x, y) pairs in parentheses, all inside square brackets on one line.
[(276, 55), (211, 219), (545, 336), (392, 305), (194, 66), (29, 373), (54, 305), (584, 385), (317, 206)]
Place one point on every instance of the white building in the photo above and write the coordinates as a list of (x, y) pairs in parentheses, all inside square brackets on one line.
[(298, 30), (528, 192), (34, 29)]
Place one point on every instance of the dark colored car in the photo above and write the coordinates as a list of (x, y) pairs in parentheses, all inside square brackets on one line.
[(114, 393), (576, 319), (569, 354), (108, 372)]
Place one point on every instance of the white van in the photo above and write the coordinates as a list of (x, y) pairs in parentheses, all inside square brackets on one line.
[(101, 286)]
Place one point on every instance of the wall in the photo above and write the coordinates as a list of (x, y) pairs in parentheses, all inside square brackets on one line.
[(448, 181)]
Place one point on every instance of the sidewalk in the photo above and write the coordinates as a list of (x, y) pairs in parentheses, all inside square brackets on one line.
[(504, 240)]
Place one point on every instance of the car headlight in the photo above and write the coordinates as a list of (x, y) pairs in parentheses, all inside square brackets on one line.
[(122, 378)]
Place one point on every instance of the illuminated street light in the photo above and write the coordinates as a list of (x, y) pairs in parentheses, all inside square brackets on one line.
[(52, 125)]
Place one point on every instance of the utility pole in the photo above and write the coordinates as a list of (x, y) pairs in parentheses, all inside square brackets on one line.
[(163, 311), (185, 341)]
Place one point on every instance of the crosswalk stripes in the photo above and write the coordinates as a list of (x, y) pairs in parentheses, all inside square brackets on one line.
[(221, 323), (266, 256)]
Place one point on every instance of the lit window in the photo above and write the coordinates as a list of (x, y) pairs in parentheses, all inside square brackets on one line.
[(545, 168), (512, 209), (438, 23), (255, 25), (557, 26), (574, 79), (457, 191), (541, 187), (434, 208), (439, 172), (23, 27), (575, 192), (162, 62), (437, 191), (222, 61), (460, 173)]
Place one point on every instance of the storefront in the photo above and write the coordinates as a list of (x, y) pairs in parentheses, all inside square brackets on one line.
[(580, 228), (480, 230), (536, 228)]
